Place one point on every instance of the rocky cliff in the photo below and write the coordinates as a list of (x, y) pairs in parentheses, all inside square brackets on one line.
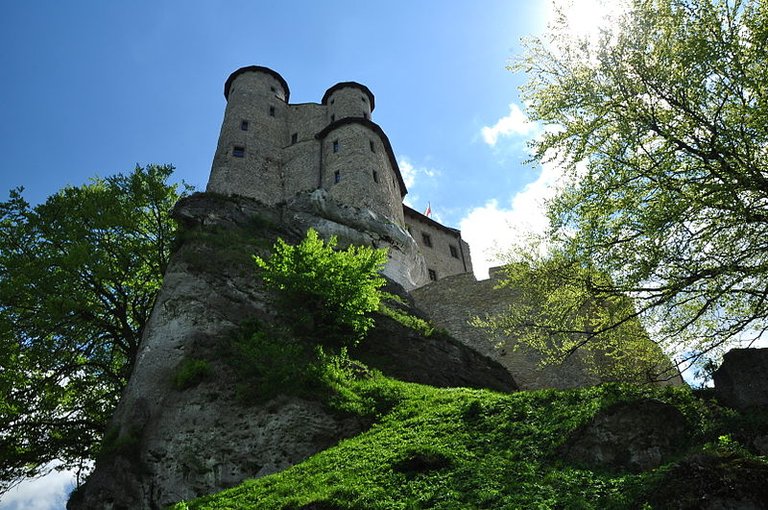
[(168, 443)]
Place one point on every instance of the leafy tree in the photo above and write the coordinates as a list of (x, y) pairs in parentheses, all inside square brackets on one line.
[(561, 307), (79, 275), (325, 293), (661, 125)]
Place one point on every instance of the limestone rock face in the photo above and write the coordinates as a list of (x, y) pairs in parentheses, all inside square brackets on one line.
[(167, 444), (633, 437), (361, 226), (741, 381), (704, 482), (437, 360)]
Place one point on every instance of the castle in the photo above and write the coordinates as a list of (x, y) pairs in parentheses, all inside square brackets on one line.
[(272, 151), (278, 170)]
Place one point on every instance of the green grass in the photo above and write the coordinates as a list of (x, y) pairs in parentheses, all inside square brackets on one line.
[(462, 449)]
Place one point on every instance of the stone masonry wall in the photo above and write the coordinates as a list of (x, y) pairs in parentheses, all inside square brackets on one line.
[(447, 253), (355, 174), (453, 301)]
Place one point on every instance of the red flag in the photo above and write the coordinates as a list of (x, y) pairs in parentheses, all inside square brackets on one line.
[(428, 212)]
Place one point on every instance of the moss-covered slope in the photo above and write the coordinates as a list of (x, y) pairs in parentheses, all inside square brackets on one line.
[(465, 449)]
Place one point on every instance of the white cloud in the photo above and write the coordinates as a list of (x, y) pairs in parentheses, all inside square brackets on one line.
[(492, 229), (412, 176), (514, 123), (407, 171), (49, 492)]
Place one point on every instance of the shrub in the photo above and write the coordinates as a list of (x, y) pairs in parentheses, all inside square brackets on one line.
[(323, 293), (190, 372), (270, 362)]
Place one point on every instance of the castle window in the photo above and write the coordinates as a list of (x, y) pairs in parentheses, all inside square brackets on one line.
[(272, 89), (335, 146), (363, 98), (336, 177), (375, 176), (427, 240), (271, 111), (432, 275), (238, 151), (294, 138), (244, 125), (373, 146), (333, 118), (454, 251), (332, 101)]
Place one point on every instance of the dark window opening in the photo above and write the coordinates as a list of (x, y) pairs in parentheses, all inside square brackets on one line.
[(272, 89), (238, 151), (336, 177), (375, 176), (454, 251), (244, 125), (271, 111), (333, 118), (294, 138), (432, 275), (363, 98), (332, 101), (427, 240), (373, 146), (335, 146)]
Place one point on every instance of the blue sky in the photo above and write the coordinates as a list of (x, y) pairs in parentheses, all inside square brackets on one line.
[(95, 87)]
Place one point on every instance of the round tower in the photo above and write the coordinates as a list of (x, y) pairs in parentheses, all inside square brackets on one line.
[(360, 169), (254, 129), (348, 99)]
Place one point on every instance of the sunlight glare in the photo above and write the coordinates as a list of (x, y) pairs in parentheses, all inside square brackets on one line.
[(584, 17)]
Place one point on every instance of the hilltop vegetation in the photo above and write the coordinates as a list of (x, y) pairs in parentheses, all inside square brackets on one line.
[(462, 448)]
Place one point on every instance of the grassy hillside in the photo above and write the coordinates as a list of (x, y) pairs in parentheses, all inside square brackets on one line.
[(465, 449)]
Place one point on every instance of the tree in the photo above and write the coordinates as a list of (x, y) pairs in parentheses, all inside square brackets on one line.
[(79, 275), (661, 126), (325, 293)]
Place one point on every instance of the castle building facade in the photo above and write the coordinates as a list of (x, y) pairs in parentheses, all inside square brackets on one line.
[(272, 151)]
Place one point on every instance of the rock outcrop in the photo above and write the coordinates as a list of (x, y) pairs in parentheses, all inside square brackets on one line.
[(708, 482), (632, 437), (741, 381), (166, 444)]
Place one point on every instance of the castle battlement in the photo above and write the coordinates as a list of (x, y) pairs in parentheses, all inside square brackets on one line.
[(272, 151)]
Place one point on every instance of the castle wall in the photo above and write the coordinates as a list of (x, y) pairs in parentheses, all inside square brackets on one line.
[(348, 100), (301, 151), (444, 251), (452, 302), (356, 173), (248, 156)]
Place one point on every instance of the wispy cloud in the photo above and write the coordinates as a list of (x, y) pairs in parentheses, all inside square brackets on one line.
[(515, 123), (493, 228), (414, 177), (49, 492)]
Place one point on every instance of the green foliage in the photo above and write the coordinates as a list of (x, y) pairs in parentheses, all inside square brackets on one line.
[(323, 293), (564, 306), (462, 448), (661, 128), (190, 372), (78, 278), (406, 319), (269, 362)]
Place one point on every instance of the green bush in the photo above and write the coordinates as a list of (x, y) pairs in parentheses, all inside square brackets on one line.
[(325, 294), (269, 362), (190, 372)]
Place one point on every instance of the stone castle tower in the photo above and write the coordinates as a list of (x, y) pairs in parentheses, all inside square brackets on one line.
[(275, 151)]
